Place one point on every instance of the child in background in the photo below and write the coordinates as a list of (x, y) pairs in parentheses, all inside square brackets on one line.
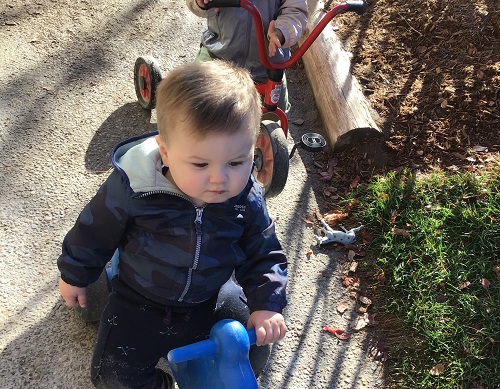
[(184, 212), (230, 35)]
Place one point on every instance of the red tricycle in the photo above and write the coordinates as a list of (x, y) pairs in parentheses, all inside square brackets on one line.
[(271, 151)]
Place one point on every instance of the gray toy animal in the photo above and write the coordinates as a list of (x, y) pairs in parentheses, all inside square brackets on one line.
[(331, 235)]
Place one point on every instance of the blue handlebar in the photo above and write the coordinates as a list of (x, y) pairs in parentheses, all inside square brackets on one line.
[(204, 348), (222, 361)]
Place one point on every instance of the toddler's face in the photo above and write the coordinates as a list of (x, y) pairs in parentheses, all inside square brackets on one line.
[(210, 169)]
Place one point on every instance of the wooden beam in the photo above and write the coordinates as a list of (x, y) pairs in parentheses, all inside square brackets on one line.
[(343, 107)]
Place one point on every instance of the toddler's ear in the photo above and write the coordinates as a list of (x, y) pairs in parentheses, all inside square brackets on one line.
[(163, 149)]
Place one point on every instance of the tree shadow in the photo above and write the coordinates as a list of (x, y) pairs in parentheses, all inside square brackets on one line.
[(127, 121)]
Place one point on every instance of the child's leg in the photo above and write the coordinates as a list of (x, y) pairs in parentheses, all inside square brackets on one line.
[(134, 333), (231, 304), (204, 55)]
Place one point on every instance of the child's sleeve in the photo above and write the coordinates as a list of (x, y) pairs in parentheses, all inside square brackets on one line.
[(292, 20), (263, 277), (194, 8), (90, 244)]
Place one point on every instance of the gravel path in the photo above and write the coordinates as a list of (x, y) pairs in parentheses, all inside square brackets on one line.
[(66, 97)]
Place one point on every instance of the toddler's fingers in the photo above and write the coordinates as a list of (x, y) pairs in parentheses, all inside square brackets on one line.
[(82, 299)]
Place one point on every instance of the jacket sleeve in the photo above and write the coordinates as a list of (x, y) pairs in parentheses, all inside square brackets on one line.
[(194, 8), (263, 276), (292, 20), (90, 244)]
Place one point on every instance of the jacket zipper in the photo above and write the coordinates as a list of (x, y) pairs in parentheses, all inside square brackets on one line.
[(197, 227)]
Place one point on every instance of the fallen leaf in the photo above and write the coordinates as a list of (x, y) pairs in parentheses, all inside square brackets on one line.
[(298, 122), (464, 285), (333, 217), (369, 318), (355, 182), (353, 267), (485, 282), (342, 307), (350, 255), (350, 281), (394, 215), (438, 369), (479, 149), (328, 174), (339, 333), (383, 196), (358, 323), (444, 103), (365, 300), (401, 232), (308, 254), (496, 269)]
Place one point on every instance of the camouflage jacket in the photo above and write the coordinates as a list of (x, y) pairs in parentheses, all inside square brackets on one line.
[(171, 251)]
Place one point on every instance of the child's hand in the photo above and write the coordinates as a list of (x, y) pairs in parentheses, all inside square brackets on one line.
[(275, 38), (269, 326), (201, 4), (73, 295)]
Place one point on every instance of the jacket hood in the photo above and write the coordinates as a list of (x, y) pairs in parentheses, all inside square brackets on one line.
[(139, 161)]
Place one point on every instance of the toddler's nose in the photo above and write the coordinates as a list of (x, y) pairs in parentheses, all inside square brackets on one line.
[(218, 176)]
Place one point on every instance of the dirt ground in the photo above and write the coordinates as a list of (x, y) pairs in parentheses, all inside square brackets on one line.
[(429, 68), (431, 71)]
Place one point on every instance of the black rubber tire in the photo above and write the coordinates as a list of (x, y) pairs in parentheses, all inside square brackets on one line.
[(271, 171), (97, 298), (147, 76)]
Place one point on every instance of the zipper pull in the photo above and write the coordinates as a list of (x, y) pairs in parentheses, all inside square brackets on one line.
[(197, 220)]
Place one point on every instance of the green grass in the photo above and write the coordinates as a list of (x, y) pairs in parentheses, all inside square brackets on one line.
[(454, 237)]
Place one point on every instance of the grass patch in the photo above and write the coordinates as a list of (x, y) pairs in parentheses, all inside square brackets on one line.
[(436, 242)]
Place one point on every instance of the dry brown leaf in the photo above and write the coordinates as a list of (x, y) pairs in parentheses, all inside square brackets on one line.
[(350, 281), (485, 282), (339, 333), (362, 309), (401, 232), (438, 369), (355, 182), (308, 254), (333, 217), (342, 307), (496, 269), (358, 323), (353, 267), (394, 215), (464, 285)]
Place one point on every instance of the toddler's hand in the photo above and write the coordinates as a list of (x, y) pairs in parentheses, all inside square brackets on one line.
[(73, 295), (275, 38), (201, 4), (269, 326)]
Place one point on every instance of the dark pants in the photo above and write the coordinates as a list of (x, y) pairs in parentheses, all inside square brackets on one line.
[(134, 333)]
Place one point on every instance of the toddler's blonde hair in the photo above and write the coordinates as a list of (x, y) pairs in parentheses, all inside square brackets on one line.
[(214, 97)]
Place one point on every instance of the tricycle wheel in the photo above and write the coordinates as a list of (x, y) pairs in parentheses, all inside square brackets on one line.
[(97, 298), (147, 76), (271, 158)]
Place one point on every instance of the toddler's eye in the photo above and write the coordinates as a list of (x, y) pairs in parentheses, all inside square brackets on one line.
[(238, 163), (200, 165)]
